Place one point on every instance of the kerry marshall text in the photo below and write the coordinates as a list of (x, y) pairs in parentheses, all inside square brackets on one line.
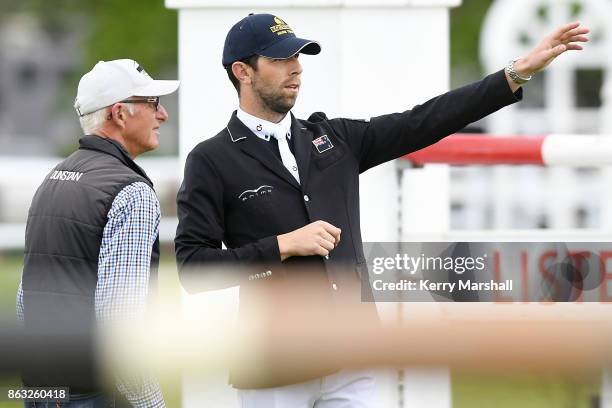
[(450, 287)]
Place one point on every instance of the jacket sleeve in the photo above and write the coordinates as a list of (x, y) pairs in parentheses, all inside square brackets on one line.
[(202, 262), (388, 137)]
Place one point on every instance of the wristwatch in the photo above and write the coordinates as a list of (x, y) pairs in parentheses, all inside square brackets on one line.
[(520, 80)]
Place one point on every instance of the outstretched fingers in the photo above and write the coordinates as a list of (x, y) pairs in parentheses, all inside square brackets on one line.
[(576, 32), (561, 31), (574, 47), (565, 38), (577, 38)]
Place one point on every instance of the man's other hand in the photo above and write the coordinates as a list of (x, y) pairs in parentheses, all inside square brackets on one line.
[(317, 238)]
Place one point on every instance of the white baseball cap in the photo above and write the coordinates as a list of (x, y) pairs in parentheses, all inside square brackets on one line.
[(110, 82)]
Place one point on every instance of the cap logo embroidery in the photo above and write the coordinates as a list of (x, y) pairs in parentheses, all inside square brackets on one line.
[(141, 70), (280, 27)]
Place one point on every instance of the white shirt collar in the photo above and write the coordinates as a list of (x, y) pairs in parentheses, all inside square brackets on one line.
[(263, 128)]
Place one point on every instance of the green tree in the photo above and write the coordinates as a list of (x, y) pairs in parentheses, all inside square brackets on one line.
[(144, 30), (466, 22)]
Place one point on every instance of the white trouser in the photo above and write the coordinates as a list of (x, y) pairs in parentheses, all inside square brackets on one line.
[(344, 389)]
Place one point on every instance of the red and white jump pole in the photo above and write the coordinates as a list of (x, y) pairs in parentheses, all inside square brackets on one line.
[(427, 188), (551, 150)]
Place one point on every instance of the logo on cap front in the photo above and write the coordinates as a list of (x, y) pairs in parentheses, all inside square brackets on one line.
[(141, 69), (280, 27)]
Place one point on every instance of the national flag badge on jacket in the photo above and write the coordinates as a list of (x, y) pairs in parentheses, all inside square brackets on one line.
[(322, 143)]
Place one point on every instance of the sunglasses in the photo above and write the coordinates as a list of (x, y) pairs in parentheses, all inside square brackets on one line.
[(153, 100)]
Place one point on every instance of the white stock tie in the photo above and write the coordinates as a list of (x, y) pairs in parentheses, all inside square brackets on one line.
[(286, 155)]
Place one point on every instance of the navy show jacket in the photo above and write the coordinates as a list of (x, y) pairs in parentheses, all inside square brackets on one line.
[(236, 191)]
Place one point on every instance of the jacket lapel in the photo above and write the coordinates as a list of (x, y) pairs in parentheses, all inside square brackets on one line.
[(252, 146), (302, 145)]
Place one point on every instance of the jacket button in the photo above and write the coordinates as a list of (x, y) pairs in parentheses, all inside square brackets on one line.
[(306, 198)]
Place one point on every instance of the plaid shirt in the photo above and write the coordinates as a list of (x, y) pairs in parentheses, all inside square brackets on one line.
[(123, 274)]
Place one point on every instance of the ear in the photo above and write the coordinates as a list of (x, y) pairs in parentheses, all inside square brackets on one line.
[(242, 72), (117, 115)]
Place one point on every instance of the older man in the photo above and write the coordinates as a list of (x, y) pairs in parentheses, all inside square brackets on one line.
[(92, 231)]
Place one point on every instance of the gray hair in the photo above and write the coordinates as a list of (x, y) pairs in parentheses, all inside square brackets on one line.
[(94, 120)]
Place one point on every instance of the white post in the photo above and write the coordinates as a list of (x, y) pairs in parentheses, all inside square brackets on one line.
[(364, 42), (560, 111), (606, 211), (606, 116), (425, 209)]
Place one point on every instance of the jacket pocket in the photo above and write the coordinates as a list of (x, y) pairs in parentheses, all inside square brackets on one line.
[(258, 205), (323, 161)]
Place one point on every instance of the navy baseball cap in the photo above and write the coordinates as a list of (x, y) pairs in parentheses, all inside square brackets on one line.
[(264, 35)]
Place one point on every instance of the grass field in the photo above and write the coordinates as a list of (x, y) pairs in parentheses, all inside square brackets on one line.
[(524, 391), (469, 390)]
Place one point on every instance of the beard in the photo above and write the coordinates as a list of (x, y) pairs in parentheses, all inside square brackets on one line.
[(274, 100)]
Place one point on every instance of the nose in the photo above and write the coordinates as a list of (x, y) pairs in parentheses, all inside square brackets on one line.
[(161, 114), (296, 67)]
